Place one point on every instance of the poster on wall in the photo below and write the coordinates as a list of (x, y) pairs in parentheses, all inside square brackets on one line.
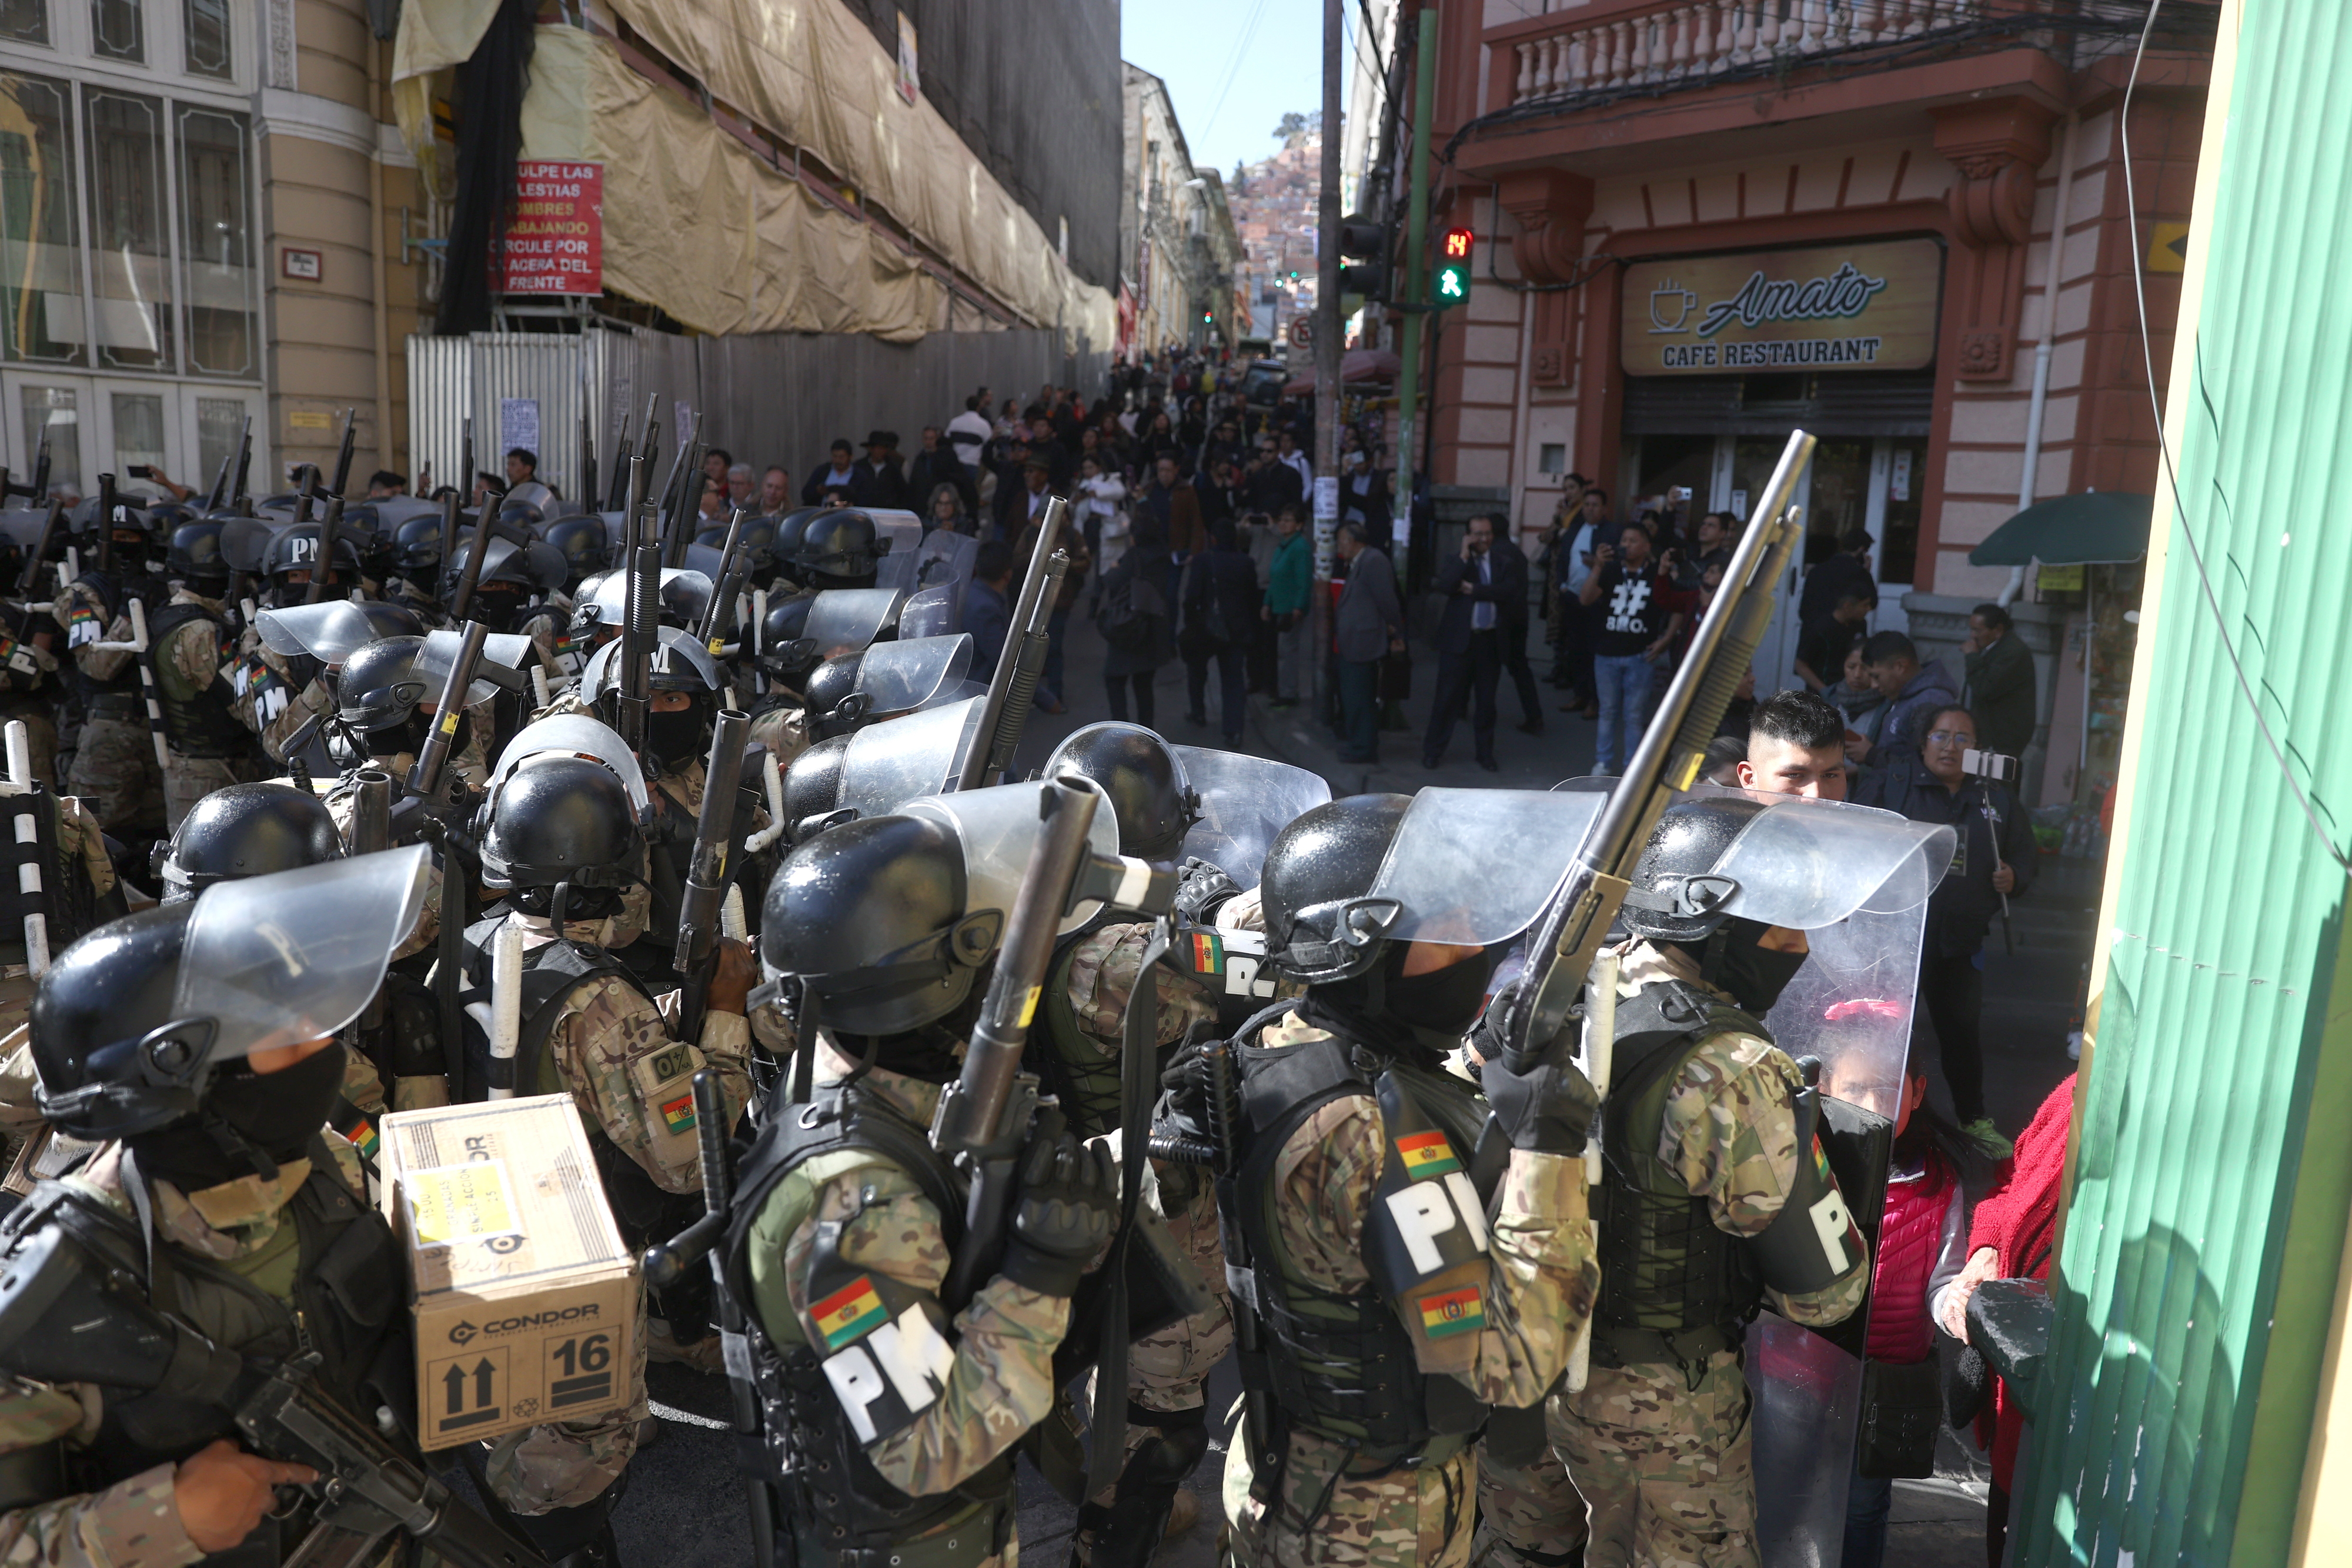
[(910, 82), (1831, 307), (555, 236)]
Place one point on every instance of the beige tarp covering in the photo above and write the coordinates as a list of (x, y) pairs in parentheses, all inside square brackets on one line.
[(696, 224)]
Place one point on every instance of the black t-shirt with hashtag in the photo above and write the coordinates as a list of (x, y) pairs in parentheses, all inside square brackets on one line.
[(1631, 616)]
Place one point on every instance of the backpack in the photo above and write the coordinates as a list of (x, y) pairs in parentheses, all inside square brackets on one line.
[(1132, 612)]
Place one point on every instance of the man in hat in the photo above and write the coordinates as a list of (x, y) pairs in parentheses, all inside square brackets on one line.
[(880, 479)]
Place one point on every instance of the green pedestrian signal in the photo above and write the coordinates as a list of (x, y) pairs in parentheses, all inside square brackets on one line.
[(1451, 285)]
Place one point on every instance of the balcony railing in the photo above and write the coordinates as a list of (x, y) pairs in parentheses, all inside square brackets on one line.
[(1689, 41)]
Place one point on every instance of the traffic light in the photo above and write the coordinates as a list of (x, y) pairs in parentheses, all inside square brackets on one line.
[(1450, 284), (1363, 263)]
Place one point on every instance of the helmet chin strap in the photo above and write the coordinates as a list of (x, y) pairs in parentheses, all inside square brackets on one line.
[(1710, 968)]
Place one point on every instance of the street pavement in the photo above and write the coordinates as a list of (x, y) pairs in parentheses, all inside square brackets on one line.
[(684, 1503)]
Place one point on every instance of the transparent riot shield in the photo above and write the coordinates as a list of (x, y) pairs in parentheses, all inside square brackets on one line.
[(902, 528), (933, 612), (1474, 867), (902, 759), (1851, 1006), (504, 654), (999, 829), (329, 631), (602, 670), (572, 734), (902, 676), (1244, 802), (945, 556), (292, 956), (604, 598), (849, 620)]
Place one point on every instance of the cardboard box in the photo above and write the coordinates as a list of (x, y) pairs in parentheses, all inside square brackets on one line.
[(525, 1298)]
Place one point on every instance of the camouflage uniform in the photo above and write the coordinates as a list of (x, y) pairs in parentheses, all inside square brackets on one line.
[(114, 761), (1541, 1280), (1529, 1515), (1665, 1467), (875, 1216), (238, 1225), (783, 728), (29, 686), (189, 659)]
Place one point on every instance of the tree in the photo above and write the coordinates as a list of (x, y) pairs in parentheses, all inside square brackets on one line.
[(1295, 128), (1240, 181)]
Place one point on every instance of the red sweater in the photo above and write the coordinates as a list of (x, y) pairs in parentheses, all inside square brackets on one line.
[(2020, 1221)]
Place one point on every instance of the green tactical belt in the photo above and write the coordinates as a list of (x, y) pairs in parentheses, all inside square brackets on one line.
[(970, 1540)]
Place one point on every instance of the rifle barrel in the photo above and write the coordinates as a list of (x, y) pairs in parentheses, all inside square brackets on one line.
[(1024, 609)]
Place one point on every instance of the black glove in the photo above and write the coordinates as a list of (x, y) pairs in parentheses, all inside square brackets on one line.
[(1067, 1205), (1547, 1108), (1202, 889)]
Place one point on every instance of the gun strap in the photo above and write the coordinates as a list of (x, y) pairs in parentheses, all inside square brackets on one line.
[(1138, 1070)]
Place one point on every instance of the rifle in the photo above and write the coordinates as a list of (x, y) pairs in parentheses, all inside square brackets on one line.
[(983, 1116), (586, 489), (1013, 684), (449, 505), (464, 486), (461, 596), (41, 465), (617, 496), (66, 1316), (322, 576), (718, 618), (239, 497), (424, 778), (1563, 941), (708, 868), (344, 453), (685, 499), (106, 522), (308, 495), (632, 693), (40, 555), (217, 497), (665, 1264)]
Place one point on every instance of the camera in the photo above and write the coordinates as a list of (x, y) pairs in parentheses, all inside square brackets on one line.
[(1993, 767)]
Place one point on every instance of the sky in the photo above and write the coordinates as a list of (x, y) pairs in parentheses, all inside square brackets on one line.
[(1227, 98)]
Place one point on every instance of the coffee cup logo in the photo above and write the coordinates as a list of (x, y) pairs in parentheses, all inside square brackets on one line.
[(1670, 307)]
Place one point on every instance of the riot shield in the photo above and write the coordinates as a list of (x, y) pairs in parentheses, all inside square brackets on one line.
[(572, 735), (933, 612), (849, 620), (902, 528), (1474, 867), (278, 960), (603, 597), (504, 656), (329, 631), (903, 676), (602, 669), (395, 510), (243, 540), (902, 759), (1244, 802), (24, 528), (999, 829)]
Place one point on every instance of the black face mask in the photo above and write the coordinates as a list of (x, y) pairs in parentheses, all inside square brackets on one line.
[(275, 1114), (1443, 1002), (1755, 978), (676, 736)]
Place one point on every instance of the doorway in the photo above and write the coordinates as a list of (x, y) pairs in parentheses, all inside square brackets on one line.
[(106, 425), (1869, 482)]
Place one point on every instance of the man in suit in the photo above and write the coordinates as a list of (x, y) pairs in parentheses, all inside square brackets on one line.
[(1369, 626), (1477, 586), (1509, 557)]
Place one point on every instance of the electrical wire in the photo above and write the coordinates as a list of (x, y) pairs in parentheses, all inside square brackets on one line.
[(2172, 476), (1234, 65)]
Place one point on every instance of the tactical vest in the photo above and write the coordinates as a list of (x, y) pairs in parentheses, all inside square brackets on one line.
[(815, 1457), (118, 696), (59, 887), (204, 724), (1340, 1367), (551, 973), (1675, 1287), (1067, 1063), (349, 1284)]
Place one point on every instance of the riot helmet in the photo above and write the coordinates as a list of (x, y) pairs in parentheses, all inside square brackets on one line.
[(132, 534), (677, 732), (417, 548), (1677, 900), (194, 557), (813, 789), (563, 825), (381, 695), (786, 656), (871, 917), (835, 547), (1141, 777), (293, 556), (246, 829), (835, 705), (143, 1030), (584, 545)]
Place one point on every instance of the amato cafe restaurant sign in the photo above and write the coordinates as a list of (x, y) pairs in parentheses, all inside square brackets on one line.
[(1835, 307)]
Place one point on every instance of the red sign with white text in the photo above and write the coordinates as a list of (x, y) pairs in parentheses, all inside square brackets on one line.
[(555, 238)]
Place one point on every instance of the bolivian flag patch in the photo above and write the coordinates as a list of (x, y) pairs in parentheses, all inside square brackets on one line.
[(1426, 1154), (1208, 953), (1453, 1311), (679, 1114), (849, 1312), (363, 1137)]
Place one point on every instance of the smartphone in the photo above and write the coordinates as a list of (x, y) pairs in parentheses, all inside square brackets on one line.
[(141, 470), (1992, 765)]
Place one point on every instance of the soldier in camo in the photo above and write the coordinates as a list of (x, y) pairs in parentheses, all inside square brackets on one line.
[(1390, 1313), (82, 891), (113, 764), (29, 682), (222, 1185), (838, 1248), (1701, 1143), (591, 1028), (209, 732)]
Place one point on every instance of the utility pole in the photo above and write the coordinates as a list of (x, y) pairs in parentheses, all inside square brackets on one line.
[(1327, 353), (1416, 282)]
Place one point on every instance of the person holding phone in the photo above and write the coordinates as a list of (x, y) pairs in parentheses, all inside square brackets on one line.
[(1635, 628)]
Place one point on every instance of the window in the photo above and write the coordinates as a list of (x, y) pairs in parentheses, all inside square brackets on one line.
[(130, 265), (51, 414), (220, 431), (138, 432), (40, 264), (207, 29), (118, 30), (25, 21), (218, 243)]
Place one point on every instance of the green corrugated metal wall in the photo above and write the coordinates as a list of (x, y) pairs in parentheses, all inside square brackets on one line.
[(2207, 1215)]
